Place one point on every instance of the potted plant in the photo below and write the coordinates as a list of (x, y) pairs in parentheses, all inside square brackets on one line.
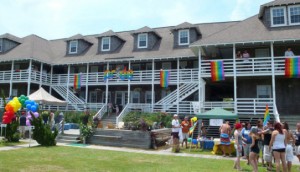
[(86, 132)]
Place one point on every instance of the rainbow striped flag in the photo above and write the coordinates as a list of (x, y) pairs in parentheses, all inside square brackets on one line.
[(217, 70), (77, 81), (266, 116), (191, 130), (164, 78), (292, 67)]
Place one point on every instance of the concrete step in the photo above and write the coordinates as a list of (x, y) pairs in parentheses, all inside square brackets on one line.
[(67, 141)]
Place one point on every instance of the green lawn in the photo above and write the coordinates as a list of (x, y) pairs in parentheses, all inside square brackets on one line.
[(61, 158), (3, 143)]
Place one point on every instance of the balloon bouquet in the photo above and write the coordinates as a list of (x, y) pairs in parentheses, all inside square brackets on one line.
[(16, 104)]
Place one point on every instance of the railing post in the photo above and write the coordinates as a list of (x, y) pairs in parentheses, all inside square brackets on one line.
[(234, 80), (29, 77), (254, 106)]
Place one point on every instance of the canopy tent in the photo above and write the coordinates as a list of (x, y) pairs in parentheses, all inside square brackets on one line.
[(217, 113), (43, 97)]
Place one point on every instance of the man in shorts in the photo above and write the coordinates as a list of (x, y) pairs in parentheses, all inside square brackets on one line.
[(185, 125), (267, 134), (175, 133)]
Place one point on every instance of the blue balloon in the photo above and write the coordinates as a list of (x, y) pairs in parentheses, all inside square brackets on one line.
[(195, 141), (28, 107), (27, 102), (33, 108), (32, 102)]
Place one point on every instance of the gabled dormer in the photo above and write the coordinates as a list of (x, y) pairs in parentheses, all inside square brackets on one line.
[(109, 42), (280, 13), (185, 34), (77, 45), (146, 39), (8, 42)]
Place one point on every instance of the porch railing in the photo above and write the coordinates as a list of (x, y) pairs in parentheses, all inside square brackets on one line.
[(122, 114), (101, 112)]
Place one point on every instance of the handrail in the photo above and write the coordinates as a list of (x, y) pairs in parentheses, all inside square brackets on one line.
[(101, 112), (122, 114)]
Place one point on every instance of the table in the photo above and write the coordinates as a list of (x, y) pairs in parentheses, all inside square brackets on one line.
[(217, 147)]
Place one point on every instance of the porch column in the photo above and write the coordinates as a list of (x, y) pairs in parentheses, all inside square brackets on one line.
[(273, 82), (177, 86), (11, 77), (51, 78), (128, 97), (29, 77), (41, 74), (68, 80), (234, 80), (86, 83), (152, 86), (199, 81), (106, 85)]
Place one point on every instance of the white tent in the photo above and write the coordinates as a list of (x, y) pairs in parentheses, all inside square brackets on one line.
[(43, 97)]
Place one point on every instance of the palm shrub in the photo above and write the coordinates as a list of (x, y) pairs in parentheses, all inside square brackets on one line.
[(42, 132)]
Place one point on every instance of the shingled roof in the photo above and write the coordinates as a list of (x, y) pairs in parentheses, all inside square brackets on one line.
[(54, 51), (186, 25), (78, 37), (11, 37), (276, 3), (249, 30)]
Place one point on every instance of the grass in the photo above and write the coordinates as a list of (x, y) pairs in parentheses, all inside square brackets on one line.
[(4, 143), (60, 158)]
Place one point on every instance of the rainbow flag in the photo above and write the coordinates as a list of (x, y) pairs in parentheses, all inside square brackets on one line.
[(217, 70), (164, 78), (191, 130), (77, 81), (292, 67), (266, 116)]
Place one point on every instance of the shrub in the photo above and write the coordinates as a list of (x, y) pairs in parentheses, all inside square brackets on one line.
[(42, 132), (11, 132)]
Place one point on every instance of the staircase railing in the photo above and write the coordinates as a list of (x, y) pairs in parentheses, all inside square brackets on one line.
[(122, 114), (101, 112)]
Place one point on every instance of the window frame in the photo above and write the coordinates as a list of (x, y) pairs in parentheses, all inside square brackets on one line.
[(139, 37), (1, 45), (289, 14), (70, 47), (109, 43), (284, 16), (188, 36)]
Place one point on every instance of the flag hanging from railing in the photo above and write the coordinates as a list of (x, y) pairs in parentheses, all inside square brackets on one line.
[(266, 116), (164, 78), (292, 67), (77, 81), (191, 130), (217, 70)]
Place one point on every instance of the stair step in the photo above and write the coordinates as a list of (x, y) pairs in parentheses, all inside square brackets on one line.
[(67, 141)]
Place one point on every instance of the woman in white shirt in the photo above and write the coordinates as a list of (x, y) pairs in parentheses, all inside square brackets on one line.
[(278, 144)]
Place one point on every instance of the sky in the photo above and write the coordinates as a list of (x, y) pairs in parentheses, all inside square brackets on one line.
[(55, 19)]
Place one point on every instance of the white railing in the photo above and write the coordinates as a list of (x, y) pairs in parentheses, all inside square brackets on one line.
[(210, 105), (254, 66), (23, 75), (70, 107), (122, 114), (101, 111), (254, 106)]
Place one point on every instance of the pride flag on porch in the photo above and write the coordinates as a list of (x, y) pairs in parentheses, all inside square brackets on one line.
[(266, 116), (292, 67), (77, 81), (217, 70), (164, 78)]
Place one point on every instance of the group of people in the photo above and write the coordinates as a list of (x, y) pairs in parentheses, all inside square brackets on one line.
[(276, 142)]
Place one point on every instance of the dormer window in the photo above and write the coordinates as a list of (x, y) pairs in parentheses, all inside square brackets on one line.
[(142, 40), (1, 45), (105, 45), (278, 16), (294, 15), (73, 47), (183, 37)]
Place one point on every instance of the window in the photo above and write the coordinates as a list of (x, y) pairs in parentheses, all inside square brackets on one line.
[(263, 91), (142, 40), (105, 44), (1, 45), (148, 97), (73, 47), (136, 67), (294, 15), (135, 97), (278, 16), (183, 37)]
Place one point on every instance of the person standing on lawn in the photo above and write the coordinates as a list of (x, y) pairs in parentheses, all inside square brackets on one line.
[(22, 123), (289, 147), (254, 149), (86, 117), (225, 131), (185, 125), (238, 144), (175, 133), (246, 140), (266, 134)]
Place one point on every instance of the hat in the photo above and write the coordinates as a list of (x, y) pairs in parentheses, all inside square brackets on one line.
[(238, 126), (175, 115), (254, 130)]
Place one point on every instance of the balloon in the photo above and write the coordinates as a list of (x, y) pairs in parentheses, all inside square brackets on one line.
[(10, 114), (27, 102), (189, 140), (33, 108), (36, 114), (28, 107), (28, 122), (195, 141), (9, 107)]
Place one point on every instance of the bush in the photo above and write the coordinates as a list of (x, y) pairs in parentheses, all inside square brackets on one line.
[(42, 132), (11, 132), (76, 117), (138, 120)]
